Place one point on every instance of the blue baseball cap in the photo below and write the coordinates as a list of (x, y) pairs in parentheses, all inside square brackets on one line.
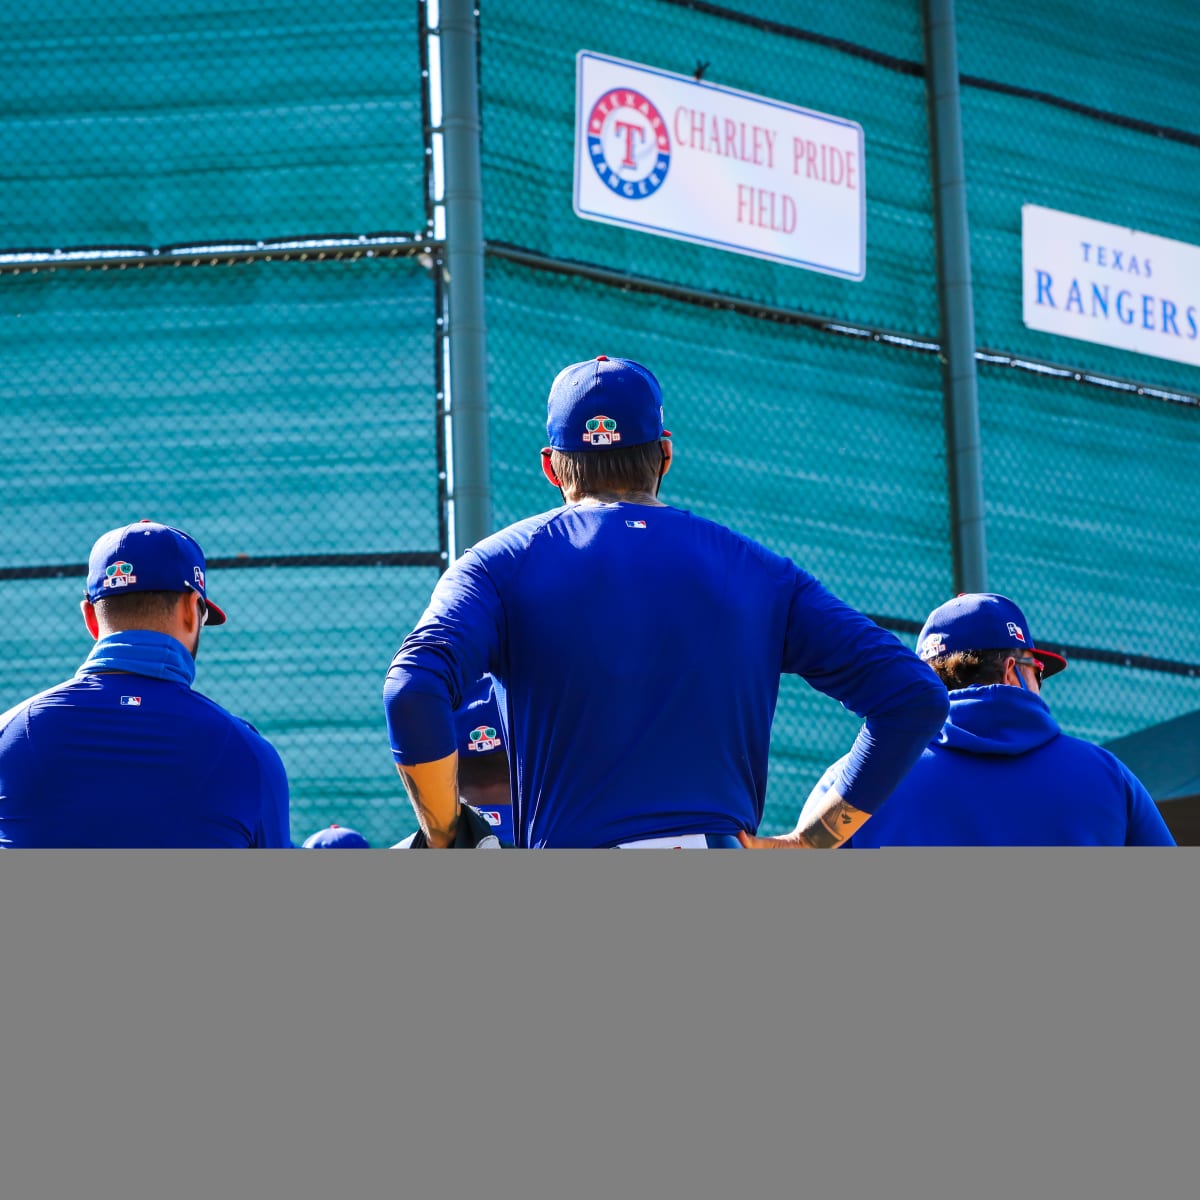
[(148, 557), (982, 621), (477, 721), (336, 838), (602, 404)]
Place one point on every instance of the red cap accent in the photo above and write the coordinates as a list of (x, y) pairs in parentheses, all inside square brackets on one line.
[(602, 358)]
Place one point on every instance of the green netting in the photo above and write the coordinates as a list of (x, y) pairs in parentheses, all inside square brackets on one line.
[(1138, 61), (827, 449), (884, 26), (1100, 701), (158, 121), (1091, 502), (1020, 151), (270, 408), (528, 156)]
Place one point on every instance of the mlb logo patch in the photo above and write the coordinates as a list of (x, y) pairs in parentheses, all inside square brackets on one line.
[(131, 701), (483, 738), (1014, 630), (199, 576), (491, 816), (602, 431), (635, 524), (119, 574)]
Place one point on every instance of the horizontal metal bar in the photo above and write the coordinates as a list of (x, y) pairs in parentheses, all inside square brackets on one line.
[(335, 247), (704, 298), (385, 558), (1023, 362)]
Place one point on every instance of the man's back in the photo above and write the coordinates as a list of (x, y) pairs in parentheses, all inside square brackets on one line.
[(638, 651), (1003, 774), (113, 759)]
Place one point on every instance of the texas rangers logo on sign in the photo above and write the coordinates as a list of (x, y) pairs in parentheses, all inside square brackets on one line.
[(628, 143), (119, 574), (602, 431), (483, 738), (1014, 630)]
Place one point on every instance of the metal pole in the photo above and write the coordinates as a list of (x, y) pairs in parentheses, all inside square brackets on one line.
[(470, 494), (961, 399)]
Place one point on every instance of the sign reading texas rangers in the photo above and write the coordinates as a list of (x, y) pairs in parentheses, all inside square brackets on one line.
[(697, 162)]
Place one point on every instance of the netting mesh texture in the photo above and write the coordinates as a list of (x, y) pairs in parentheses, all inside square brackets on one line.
[(284, 412)]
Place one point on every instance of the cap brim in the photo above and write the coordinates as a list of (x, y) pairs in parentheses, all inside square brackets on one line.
[(1051, 663), (216, 614)]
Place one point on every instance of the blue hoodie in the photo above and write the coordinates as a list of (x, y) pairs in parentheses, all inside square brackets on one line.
[(1002, 773)]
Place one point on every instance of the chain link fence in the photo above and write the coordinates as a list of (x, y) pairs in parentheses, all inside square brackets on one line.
[(219, 309)]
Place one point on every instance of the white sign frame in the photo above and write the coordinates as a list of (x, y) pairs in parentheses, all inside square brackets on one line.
[(1110, 285), (743, 188)]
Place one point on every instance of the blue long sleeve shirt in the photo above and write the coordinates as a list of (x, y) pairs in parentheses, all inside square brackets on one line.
[(637, 652), (126, 754), (1002, 773)]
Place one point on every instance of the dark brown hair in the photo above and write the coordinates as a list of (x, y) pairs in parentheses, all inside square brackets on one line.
[(137, 610), (630, 469), (971, 668)]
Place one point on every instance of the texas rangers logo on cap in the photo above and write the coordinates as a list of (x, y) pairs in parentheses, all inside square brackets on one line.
[(1015, 631), (119, 574), (483, 738), (628, 143), (933, 645), (601, 431)]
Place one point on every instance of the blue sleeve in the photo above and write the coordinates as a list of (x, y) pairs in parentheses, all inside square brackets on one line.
[(902, 702), (274, 830), (1146, 826), (454, 643)]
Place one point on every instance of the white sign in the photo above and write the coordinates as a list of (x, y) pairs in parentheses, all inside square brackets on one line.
[(1104, 283), (701, 163)]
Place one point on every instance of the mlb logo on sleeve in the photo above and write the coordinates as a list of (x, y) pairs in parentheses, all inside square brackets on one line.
[(131, 701)]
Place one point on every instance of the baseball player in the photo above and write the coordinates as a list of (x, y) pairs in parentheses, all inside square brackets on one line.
[(125, 753), (1001, 772), (637, 652), (483, 786)]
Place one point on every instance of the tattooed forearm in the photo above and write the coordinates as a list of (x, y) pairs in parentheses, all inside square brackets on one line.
[(832, 825)]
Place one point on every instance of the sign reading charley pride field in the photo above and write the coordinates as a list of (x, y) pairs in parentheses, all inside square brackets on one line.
[(689, 160)]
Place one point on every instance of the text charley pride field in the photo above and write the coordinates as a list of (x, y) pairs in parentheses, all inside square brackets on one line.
[(761, 146)]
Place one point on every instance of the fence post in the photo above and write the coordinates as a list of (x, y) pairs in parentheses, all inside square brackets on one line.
[(470, 494), (960, 393)]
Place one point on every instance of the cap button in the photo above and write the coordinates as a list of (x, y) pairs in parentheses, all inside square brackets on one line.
[(602, 358)]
